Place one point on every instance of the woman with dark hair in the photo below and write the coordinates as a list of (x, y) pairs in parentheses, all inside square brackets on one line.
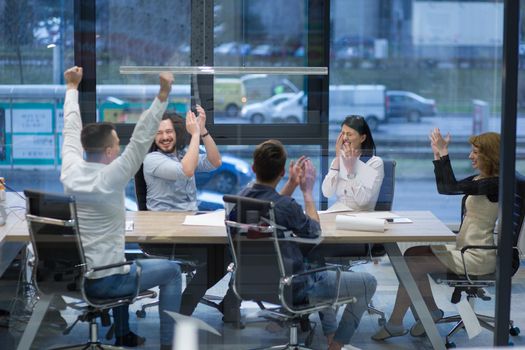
[(356, 173), (479, 214)]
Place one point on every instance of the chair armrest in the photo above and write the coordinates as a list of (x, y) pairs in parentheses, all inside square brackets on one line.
[(133, 296), (287, 281), (110, 266), (467, 247), (485, 247)]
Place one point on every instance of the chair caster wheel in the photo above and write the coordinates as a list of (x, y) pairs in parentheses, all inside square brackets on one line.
[(450, 345), (381, 321), (141, 313), (514, 331)]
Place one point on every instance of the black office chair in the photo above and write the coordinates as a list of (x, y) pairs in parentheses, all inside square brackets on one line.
[(59, 267), (163, 251), (386, 192), (384, 203), (261, 273), (473, 286)]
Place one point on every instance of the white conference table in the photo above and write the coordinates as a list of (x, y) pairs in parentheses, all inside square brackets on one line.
[(167, 227)]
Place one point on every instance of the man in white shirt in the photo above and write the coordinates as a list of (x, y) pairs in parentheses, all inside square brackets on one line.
[(98, 183)]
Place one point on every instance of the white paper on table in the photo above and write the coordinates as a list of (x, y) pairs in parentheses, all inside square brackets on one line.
[(337, 207), (469, 318), (129, 225), (374, 214), (354, 223), (214, 218)]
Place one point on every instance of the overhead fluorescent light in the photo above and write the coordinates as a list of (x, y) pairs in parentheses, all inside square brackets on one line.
[(224, 70)]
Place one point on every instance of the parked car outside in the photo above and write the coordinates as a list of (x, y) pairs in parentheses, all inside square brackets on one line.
[(230, 96), (408, 105), (260, 112), (232, 175), (232, 49), (365, 100), (260, 87), (291, 111), (262, 50)]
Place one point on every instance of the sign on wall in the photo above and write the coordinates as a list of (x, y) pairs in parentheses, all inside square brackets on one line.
[(33, 146), (32, 120)]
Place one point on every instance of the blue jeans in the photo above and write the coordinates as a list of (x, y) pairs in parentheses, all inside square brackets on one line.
[(360, 285), (155, 272)]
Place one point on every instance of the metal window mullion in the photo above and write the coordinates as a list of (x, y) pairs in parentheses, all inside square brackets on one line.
[(201, 54), (85, 56), (507, 171), (318, 54)]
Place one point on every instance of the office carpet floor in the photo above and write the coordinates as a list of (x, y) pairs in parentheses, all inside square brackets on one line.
[(263, 333)]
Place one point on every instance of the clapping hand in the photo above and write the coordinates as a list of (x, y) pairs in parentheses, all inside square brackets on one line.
[(350, 157), (439, 143), (339, 145), (201, 119), (192, 125), (296, 170), (308, 178)]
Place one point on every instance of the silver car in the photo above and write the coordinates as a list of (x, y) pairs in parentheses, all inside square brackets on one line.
[(259, 112)]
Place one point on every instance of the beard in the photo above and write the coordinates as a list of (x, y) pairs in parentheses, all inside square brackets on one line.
[(168, 150)]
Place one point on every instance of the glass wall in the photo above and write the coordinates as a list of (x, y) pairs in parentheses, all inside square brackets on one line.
[(158, 35), (247, 35), (406, 66), (36, 43), (409, 67)]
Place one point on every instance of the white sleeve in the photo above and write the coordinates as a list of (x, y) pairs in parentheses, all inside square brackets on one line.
[(329, 185), (72, 151), (362, 193), (122, 169)]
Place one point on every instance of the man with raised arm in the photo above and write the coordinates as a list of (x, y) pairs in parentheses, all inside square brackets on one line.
[(98, 181)]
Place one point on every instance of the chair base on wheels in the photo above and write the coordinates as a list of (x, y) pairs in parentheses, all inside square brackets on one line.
[(204, 300), (93, 343), (485, 321), (293, 343)]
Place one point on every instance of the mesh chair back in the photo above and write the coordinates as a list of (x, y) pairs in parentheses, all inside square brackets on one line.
[(151, 249), (254, 245), (53, 227), (386, 192)]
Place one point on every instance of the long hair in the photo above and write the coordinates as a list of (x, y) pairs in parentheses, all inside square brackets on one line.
[(488, 155), (359, 124), (181, 135)]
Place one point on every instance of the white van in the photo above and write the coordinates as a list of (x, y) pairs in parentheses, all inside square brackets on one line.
[(365, 100)]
